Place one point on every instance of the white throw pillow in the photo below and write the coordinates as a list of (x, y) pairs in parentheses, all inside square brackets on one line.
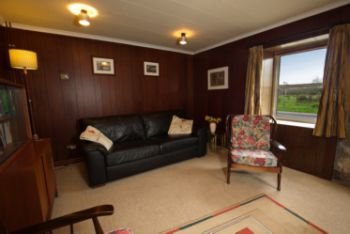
[(180, 126), (94, 135)]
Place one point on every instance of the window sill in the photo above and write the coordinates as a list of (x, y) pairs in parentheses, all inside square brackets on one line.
[(296, 124)]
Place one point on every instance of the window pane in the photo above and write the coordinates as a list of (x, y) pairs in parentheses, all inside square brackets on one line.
[(300, 83)]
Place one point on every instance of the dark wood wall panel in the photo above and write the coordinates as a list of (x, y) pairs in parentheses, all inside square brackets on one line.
[(182, 84), (305, 152), (59, 104)]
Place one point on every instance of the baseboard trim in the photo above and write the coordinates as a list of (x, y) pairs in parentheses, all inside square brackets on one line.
[(66, 162)]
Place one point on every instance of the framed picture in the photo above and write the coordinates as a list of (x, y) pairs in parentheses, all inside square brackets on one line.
[(150, 69), (218, 78), (103, 66)]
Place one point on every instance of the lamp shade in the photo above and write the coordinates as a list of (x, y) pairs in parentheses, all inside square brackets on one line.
[(23, 59)]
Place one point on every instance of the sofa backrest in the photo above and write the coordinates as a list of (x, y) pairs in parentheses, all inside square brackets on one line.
[(133, 127), (157, 124), (118, 128)]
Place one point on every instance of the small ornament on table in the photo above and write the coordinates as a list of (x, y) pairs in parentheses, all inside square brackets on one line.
[(213, 121)]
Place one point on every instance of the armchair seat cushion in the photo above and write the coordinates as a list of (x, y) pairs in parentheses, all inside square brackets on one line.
[(260, 158), (173, 143), (131, 151)]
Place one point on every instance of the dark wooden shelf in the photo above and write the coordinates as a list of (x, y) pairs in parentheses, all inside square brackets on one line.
[(5, 118), (10, 83), (9, 150)]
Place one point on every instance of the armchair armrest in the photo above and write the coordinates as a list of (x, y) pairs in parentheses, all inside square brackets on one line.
[(70, 219), (278, 146)]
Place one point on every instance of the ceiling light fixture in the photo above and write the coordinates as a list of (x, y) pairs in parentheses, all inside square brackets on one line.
[(183, 39), (83, 13), (83, 18)]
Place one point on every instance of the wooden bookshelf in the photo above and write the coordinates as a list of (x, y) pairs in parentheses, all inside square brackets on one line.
[(14, 120), (27, 178)]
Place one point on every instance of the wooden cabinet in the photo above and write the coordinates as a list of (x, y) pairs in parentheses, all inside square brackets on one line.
[(27, 185)]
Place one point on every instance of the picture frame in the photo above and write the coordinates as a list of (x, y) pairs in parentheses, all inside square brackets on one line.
[(150, 69), (218, 78), (103, 66)]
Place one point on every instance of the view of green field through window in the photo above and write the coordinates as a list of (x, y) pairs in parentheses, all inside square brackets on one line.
[(300, 81)]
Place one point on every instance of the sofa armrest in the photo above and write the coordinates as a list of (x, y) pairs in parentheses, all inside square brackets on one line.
[(95, 162), (88, 146), (202, 134)]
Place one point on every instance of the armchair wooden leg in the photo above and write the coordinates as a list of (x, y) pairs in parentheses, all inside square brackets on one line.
[(228, 173), (279, 181)]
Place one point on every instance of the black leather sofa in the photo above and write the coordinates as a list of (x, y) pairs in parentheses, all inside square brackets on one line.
[(140, 142)]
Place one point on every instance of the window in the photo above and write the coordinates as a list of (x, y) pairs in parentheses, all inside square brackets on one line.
[(292, 83)]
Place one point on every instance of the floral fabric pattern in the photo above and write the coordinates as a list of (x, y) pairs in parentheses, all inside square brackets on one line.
[(250, 132), (261, 158)]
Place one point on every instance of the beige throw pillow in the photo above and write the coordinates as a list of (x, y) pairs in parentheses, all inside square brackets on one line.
[(94, 135), (180, 126)]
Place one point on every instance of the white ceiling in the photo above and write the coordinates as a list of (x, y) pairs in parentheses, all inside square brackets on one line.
[(152, 23)]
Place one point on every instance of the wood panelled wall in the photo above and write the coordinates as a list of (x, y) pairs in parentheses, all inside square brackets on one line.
[(59, 104), (235, 56)]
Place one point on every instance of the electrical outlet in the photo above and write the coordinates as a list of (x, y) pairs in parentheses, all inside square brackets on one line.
[(64, 76), (71, 147)]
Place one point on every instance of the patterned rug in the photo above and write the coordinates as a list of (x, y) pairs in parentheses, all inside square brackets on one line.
[(260, 214)]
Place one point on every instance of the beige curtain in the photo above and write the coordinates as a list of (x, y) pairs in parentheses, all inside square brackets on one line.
[(253, 81), (331, 118)]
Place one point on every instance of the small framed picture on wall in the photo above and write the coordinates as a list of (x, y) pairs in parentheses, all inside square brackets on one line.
[(103, 66), (218, 78), (150, 69)]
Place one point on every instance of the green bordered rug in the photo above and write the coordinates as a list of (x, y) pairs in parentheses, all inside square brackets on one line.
[(261, 214)]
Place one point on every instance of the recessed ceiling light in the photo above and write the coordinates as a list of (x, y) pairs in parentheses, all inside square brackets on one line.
[(75, 9)]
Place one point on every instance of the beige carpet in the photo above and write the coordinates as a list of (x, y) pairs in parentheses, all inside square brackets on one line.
[(163, 198)]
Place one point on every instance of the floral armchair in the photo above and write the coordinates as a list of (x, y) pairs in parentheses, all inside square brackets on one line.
[(251, 145)]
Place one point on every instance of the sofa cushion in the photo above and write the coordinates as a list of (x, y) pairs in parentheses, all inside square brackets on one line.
[(157, 124), (131, 151), (180, 126), (173, 143), (119, 128), (94, 135)]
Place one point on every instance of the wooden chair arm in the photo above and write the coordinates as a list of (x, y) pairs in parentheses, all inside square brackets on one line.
[(69, 219), (276, 145)]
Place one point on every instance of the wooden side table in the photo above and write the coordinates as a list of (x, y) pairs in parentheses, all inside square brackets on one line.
[(217, 139), (213, 139)]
